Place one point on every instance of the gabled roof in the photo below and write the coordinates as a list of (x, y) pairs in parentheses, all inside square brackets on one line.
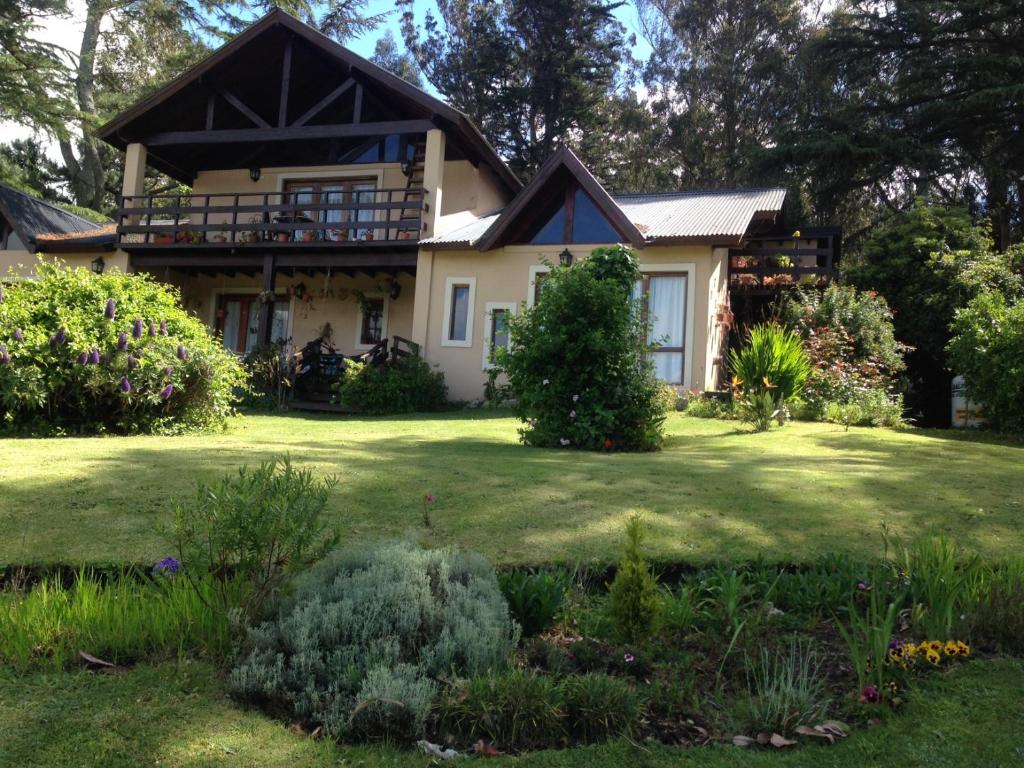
[(714, 217), (266, 38), (563, 159), (37, 222)]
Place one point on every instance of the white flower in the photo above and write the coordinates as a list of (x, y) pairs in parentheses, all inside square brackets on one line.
[(564, 441), (575, 398), (572, 414), (545, 382)]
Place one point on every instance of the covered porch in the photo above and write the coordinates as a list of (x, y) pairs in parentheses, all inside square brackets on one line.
[(320, 308)]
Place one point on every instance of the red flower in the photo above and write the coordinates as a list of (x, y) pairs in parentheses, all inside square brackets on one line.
[(608, 442)]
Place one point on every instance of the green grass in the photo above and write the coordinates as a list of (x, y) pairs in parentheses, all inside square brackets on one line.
[(173, 715), (714, 491)]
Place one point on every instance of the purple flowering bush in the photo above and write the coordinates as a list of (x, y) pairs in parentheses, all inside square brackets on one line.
[(578, 367), (78, 361)]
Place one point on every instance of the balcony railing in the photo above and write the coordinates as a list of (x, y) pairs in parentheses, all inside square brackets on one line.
[(248, 219), (767, 263)]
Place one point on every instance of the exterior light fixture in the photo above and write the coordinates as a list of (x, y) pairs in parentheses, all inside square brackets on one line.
[(97, 265), (406, 168), (254, 174), (565, 258)]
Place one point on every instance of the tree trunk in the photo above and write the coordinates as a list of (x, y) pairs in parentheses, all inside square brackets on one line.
[(86, 171)]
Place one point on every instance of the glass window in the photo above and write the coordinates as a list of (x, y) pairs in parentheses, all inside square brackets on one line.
[(499, 329), (553, 232), (459, 322), (664, 304), (372, 325), (588, 224)]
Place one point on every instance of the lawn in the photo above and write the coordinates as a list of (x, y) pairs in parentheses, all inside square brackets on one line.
[(174, 715), (715, 491)]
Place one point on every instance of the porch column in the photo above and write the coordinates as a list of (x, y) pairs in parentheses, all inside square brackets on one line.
[(421, 299), (265, 325), (133, 183), (433, 181)]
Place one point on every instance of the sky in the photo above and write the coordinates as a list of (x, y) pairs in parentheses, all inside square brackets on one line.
[(67, 32)]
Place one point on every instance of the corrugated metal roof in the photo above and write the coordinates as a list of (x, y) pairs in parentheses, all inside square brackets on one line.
[(467, 234), (726, 213), (698, 214)]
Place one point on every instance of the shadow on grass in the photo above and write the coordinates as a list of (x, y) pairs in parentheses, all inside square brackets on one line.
[(786, 495)]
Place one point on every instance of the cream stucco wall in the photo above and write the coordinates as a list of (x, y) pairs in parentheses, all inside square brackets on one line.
[(23, 263), (333, 302), (504, 275)]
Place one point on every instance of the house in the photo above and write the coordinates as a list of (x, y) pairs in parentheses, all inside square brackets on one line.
[(29, 226), (330, 197)]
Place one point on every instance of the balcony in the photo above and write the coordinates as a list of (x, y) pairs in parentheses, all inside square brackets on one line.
[(767, 263), (245, 221)]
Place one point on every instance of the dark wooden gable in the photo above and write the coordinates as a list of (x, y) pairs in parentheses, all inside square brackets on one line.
[(279, 94), (555, 187)]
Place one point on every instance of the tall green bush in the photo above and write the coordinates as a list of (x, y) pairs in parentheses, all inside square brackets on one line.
[(85, 353), (578, 367), (988, 350), (360, 646), (633, 597), (768, 371)]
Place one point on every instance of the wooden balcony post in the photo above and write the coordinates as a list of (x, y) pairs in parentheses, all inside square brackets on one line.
[(265, 326)]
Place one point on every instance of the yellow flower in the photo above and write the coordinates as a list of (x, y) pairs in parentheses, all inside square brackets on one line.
[(951, 648), (934, 645), (910, 650), (797, 233), (963, 648), (933, 657)]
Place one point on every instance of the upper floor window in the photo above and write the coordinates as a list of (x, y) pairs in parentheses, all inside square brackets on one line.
[(390, 149)]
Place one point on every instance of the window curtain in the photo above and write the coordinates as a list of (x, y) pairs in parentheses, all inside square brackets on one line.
[(666, 311)]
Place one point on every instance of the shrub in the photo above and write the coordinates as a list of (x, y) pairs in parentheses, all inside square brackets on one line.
[(257, 525), (368, 633), (534, 598), (873, 408), (786, 689), (704, 406), (633, 599), (769, 370), (406, 385), (514, 710), (988, 349), (679, 610), (87, 353), (996, 607), (127, 618), (267, 370), (578, 367), (600, 707)]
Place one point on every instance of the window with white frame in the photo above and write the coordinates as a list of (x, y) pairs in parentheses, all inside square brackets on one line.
[(460, 293), (538, 274), (496, 332)]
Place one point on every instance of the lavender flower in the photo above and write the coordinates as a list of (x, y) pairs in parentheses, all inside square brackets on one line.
[(122, 341), (18, 335), (5, 356), (133, 362), (94, 356), (167, 567), (152, 329), (182, 352), (58, 338), (163, 327), (126, 386), (166, 392), (168, 371), (137, 329), (111, 310), (83, 359)]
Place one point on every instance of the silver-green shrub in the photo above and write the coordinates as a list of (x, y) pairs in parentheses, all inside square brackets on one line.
[(365, 636)]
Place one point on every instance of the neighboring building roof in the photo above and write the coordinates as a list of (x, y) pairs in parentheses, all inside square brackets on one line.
[(719, 216), (39, 223), (123, 129)]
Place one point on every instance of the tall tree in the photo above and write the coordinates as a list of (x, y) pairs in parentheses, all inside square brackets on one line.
[(34, 86), (531, 74), (25, 166), (919, 97), (722, 75), (388, 54)]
